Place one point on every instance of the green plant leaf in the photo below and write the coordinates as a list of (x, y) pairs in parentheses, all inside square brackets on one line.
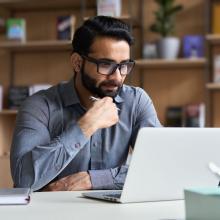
[(165, 17)]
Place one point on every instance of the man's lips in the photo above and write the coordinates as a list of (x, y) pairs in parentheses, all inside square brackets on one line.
[(110, 87)]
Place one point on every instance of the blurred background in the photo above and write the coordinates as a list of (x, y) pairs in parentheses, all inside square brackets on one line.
[(177, 54)]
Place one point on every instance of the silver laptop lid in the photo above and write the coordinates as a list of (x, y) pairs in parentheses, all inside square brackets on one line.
[(167, 160)]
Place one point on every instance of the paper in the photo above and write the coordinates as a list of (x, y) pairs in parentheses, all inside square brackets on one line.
[(15, 196)]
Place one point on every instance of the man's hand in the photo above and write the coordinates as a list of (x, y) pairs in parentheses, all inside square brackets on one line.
[(75, 182), (102, 114)]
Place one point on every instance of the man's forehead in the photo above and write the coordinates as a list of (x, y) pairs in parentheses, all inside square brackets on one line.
[(107, 42), (110, 48)]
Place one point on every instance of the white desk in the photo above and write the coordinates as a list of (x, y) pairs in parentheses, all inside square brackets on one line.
[(70, 205)]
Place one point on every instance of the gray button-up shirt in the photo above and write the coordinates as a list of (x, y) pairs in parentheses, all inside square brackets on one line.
[(48, 144)]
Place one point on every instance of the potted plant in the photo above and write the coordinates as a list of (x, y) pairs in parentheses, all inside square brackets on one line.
[(168, 46)]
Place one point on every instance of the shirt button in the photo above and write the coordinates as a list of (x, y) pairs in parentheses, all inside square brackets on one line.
[(77, 145), (95, 144)]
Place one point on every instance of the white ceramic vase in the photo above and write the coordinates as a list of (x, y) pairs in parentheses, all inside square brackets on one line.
[(168, 47)]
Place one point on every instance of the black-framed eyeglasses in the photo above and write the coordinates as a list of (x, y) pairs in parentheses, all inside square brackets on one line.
[(106, 67)]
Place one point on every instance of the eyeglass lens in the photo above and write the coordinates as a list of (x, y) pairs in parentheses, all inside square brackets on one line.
[(109, 68)]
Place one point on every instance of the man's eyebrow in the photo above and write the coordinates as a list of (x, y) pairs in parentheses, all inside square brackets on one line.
[(113, 61)]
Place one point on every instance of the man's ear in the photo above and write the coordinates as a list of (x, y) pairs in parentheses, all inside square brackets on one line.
[(76, 62)]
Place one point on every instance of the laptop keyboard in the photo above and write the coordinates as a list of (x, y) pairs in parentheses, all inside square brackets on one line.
[(114, 195)]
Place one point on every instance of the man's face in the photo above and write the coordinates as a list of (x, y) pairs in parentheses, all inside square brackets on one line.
[(108, 49)]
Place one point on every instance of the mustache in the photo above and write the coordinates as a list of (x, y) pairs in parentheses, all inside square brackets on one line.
[(111, 83)]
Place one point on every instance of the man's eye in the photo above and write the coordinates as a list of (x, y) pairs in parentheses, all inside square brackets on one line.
[(105, 65)]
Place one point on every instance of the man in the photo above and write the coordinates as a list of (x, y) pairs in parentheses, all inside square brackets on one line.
[(76, 135)]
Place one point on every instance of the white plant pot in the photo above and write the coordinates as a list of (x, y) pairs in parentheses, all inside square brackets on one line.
[(168, 48)]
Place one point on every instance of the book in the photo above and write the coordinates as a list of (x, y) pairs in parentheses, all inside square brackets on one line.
[(109, 8), (37, 87), (215, 18), (202, 203), (193, 46), (15, 196), (1, 97), (194, 115), (174, 116), (16, 29), (216, 69), (17, 94), (65, 27), (2, 25)]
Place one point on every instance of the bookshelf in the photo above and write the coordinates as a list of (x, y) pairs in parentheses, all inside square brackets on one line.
[(43, 59), (213, 88), (45, 45), (178, 63), (8, 112)]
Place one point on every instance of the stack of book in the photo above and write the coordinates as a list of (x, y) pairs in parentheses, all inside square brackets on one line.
[(17, 94), (191, 115)]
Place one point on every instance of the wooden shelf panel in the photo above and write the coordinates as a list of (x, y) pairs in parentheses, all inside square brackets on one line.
[(213, 86), (8, 112), (213, 38), (46, 4), (177, 63), (36, 45), (126, 18)]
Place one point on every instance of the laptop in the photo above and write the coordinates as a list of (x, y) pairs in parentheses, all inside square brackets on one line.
[(165, 161)]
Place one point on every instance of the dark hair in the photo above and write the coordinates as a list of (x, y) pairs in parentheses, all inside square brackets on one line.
[(99, 26)]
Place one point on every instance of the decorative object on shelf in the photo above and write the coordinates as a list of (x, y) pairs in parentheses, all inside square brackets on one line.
[(193, 46), (16, 29), (1, 97), (65, 27), (150, 51), (37, 87), (216, 68), (109, 8), (17, 94), (215, 18), (168, 46), (174, 116)]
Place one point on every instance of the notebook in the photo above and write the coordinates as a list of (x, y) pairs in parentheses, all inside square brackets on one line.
[(165, 161), (15, 196)]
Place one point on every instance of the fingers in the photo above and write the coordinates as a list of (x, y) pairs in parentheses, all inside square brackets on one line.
[(75, 182), (78, 181)]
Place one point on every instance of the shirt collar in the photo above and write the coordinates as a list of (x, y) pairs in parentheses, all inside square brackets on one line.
[(70, 97), (69, 94)]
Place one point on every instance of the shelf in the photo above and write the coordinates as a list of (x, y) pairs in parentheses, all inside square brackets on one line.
[(162, 63), (36, 45), (8, 112), (46, 4), (213, 86), (126, 18), (213, 38)]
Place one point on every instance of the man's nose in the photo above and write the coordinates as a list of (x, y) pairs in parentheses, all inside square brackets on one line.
[(116, 74)]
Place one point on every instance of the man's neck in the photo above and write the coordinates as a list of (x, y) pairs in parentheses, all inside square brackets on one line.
[(82, 92)]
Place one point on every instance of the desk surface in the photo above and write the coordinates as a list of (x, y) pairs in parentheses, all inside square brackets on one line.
[(71, 205)]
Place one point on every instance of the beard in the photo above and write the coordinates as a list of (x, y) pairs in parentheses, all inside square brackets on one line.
[(90, 84)]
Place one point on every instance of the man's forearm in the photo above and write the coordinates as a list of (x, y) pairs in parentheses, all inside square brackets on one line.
[(43, 163), (74, 182)]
